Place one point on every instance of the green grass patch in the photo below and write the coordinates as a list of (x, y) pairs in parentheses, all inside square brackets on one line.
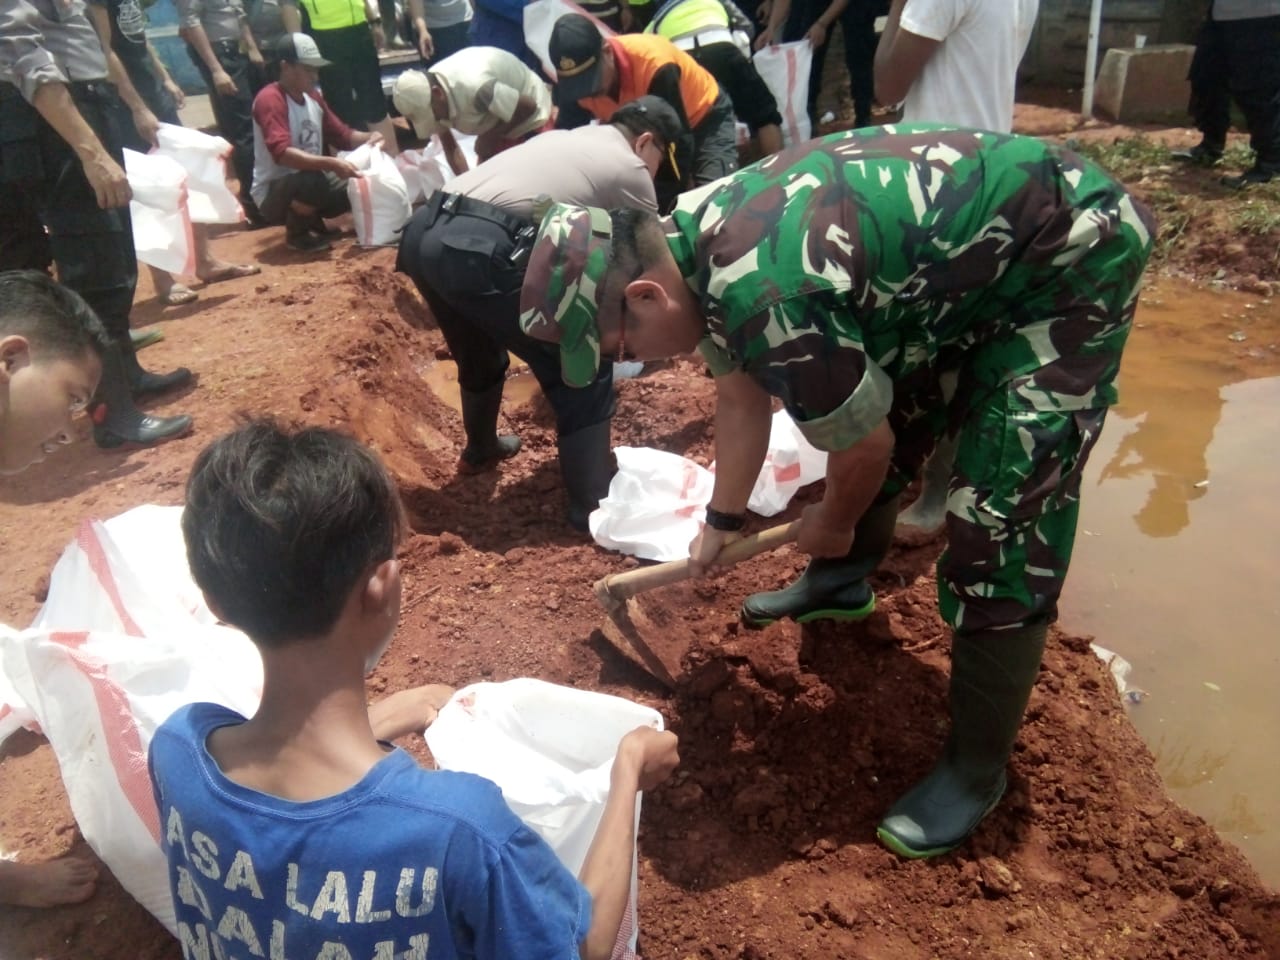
[(1260, 213), (1125, 159)]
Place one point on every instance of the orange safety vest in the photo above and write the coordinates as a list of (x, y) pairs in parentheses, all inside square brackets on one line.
[(639, 56)]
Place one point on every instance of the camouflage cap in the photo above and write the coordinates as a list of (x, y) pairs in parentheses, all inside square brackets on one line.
[(560, 299)]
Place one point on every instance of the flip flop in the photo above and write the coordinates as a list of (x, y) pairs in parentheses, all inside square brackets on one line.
[(179, 296), (233, 271), (145, 338)]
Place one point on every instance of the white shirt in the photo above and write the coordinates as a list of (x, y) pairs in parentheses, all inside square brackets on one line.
[(483, 86), (970, 77), (306, 132)]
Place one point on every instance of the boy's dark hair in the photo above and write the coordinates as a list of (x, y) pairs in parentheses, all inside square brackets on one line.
[(280, 527), (54, 319)]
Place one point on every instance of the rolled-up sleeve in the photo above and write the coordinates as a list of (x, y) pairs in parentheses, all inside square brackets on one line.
[(189, 12), (24, 60), (799, 352)]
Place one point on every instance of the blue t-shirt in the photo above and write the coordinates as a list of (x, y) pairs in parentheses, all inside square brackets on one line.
[(408, 863)]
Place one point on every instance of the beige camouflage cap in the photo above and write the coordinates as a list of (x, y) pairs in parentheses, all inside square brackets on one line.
[(560, 299)]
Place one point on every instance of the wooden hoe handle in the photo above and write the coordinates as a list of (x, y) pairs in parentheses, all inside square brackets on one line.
[(618, 587)]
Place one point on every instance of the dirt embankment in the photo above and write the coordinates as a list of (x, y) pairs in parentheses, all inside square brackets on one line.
[(795, 740)]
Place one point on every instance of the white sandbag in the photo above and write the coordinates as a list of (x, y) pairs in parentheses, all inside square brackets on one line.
[(656, 500), (379, 197), (550, 749), (118, 647), (423, 173), (159, 212), (204, 157), (654, 506), (540, 17), (791, 463), (785, 70)]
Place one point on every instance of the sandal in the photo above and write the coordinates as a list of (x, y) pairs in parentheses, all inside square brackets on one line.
[(179, 295), (231, 271)]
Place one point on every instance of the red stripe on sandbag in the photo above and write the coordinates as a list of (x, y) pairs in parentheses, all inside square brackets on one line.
[(87, 538), (120, 730)]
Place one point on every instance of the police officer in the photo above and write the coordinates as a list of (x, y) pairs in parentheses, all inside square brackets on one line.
[(465, 250), (223, 49), (60, 166), (887, 286)]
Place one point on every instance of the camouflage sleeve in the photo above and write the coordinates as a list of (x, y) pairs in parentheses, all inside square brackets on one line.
[(813, 361)]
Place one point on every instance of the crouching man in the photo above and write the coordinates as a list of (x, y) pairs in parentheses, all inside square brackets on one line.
[(295, 182), (888, 286)]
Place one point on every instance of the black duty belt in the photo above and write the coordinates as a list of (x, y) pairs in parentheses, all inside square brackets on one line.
[(521, 231)]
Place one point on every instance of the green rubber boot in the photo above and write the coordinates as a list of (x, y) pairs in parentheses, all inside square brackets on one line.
[(831, 589), (992, 674)]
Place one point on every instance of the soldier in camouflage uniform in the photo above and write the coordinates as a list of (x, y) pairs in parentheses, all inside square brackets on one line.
[(889, 286)]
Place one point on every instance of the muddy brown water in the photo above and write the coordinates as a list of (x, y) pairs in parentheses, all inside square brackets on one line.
[(1175, 566)]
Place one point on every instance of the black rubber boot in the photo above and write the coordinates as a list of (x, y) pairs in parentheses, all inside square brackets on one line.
[(831, 589), (587, 466), (116, 421), (992, 674), (144, 383), (480, 421)]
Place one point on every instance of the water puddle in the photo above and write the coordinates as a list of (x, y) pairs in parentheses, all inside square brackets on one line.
[(442, 377), (1176, 563)]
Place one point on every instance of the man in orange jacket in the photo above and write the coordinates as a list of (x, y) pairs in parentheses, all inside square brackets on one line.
[(595, 75)]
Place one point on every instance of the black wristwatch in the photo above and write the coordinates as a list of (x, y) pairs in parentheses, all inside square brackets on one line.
[(728, 522)]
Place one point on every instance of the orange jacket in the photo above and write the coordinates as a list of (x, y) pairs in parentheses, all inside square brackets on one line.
[(639, 57)]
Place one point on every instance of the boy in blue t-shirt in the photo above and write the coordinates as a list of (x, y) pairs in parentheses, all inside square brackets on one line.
[(298, 832)]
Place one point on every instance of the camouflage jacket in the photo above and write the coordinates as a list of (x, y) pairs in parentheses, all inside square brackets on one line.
[(836, 272)]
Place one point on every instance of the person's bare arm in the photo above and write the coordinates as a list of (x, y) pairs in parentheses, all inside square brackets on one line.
[(452, 152), (374, 16), (199, 41), (53, 102), (742, 422), (249, 44), (526, 107), (817, 34), (290, 16), (900, 57), (426, 45), (645, 759), (854, 477), (166, 79), (771, 34), (143, 119), (408, 711)]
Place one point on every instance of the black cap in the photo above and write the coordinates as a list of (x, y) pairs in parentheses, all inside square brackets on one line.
[(652, 114), (575, 51)]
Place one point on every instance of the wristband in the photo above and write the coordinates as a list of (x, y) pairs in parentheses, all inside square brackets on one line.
[(726, 522)]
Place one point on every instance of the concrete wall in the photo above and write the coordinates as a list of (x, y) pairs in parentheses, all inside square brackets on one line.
[(1056, 53)]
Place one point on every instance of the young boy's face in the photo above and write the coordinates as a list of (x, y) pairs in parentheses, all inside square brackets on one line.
[(38, 398)]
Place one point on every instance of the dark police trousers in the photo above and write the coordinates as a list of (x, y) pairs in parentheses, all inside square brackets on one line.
[(42, 181), (467, 259)]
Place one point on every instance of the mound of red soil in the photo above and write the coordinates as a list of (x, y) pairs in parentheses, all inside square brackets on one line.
[(794, 740)]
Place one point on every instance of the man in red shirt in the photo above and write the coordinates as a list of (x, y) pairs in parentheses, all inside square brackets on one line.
[(295, 182)]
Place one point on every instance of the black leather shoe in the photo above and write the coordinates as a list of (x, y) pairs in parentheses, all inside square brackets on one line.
[(147, 384), (1200, 155), (1255, 175), (145, 431)]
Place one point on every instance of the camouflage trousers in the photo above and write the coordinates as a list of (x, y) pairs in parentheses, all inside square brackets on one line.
[(1026, 409)]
